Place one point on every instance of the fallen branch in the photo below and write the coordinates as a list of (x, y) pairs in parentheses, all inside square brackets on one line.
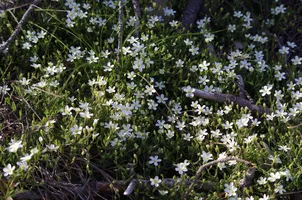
[(191, 12), (120, 33), (19, 26), (100, 187), (130, 187), (248, 178), (201, 168), (242, 92), (137, 11), (228, 98)]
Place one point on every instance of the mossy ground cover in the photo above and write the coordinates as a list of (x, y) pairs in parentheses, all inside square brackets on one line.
[(82, 116)]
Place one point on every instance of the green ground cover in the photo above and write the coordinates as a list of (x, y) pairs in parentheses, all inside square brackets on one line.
[(88, 107)]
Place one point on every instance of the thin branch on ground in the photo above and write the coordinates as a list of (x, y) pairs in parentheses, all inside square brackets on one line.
[(120, 33), (29, 106), (191, 12), (137, 12), (19, 26), (294, 126), (240, 85), (248, 178), (130, 187), (10, 8), (228, 98), (242, 92), (291, 193), (99, 187), (201, 168)]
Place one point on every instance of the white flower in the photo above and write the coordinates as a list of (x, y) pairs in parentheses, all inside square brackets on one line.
[(26, 157), (266, 90), (149, 89), (188, 42), (274, 159), (155, 181), (14, 145), (26, 45), (238, 14), (163, 192), (24, 81), (174, 23), (243, 122), (283, 148), (297, 60), (161, 99), (203, 66), (265, 197), (154, 160), (262, 181), (274, 176), (279, 189), (67, 110), (182, 167), (194, 50), (22, 165), (86, 114), (187, 136), (169, 12), (287, 174), (180, 125), (179, 63), (209, 37), (206, 156), (189, 91), (227, 125), (76, 130), (8, 170), (284, 50), (230, 189), (231, 27), (34, 151), (52, 147)]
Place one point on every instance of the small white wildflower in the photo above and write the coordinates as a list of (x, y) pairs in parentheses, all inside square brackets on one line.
[(154, 160), (182, 167), (8, 170), (230, 189), (155, 181)]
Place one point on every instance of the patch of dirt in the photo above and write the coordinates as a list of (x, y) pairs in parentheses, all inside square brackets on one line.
[(9, 122)]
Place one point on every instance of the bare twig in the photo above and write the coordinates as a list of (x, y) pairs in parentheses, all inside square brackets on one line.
[(228, 98), (294, 126), (242, 92), (120, 33), (19, 26), (248, 178), (201, 168), (191, 12), (24, 100), (130, 187), (291, 193), (15, 7), (240, 84), (137, 11), (52, 187)]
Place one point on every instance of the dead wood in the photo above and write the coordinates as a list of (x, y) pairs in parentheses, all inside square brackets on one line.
[(19, 26), (191, 13), (228, 98)]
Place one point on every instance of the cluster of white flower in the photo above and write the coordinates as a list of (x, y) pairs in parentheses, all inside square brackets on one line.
[(33, 38), (75, 12), (14, 146)]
